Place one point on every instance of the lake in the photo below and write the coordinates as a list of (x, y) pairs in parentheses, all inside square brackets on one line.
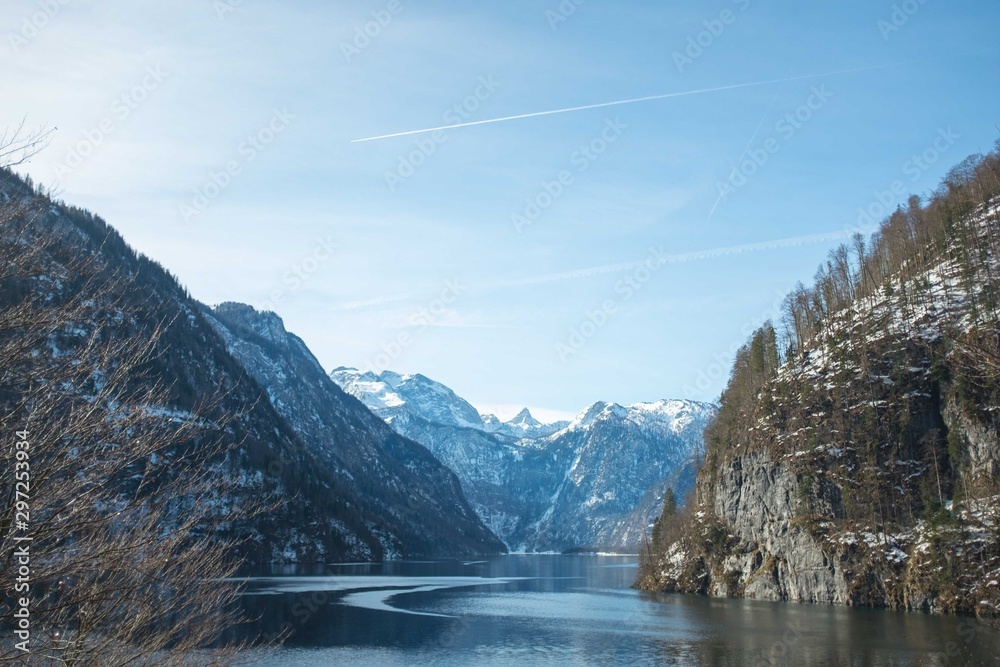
[(529, 610)]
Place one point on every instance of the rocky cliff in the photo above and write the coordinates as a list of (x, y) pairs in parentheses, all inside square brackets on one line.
[(855, 458)]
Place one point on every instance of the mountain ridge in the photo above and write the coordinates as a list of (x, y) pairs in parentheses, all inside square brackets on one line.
[(318, 514), (550, 487)]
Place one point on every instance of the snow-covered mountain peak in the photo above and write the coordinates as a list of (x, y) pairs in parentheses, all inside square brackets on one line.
[(524, 418), (391, 379), (587, 418), (490, 421), (675, 415), (522, 426), (678, 415), (595, 481), (389, 394)]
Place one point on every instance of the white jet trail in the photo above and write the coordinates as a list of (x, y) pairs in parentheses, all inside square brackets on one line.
[(649, 98), (675, 259), (753, 138), (589, 272), (378, 301)]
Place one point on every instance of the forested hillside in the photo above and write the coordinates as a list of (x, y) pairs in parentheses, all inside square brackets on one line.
[(86, 300), (855, 456)]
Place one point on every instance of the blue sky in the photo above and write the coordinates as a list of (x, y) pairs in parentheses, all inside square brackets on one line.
[(218, 137)]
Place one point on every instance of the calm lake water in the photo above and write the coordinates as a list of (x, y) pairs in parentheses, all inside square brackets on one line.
[(575, 610)]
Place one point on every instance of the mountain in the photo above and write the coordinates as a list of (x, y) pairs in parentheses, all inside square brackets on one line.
[(394, 478), (336, 483), (390, 394), (855, 457), (522, 425), (617, 457), (594, 482)]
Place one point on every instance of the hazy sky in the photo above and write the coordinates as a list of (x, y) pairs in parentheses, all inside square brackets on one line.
[(547, 261)]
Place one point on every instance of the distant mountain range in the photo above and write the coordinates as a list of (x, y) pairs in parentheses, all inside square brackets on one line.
[(424, 476), (343, 485), (594, 482)]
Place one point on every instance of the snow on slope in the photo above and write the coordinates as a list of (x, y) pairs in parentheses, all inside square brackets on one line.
[(547, 487)]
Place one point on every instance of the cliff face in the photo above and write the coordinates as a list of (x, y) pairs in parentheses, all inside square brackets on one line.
[(413, 504), (776, 528), (861, 467), (334, 481)]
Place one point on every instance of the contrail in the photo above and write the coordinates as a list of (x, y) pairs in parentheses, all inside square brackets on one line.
[(649, 98), (628, 266), (358, 305), (675, 259), (718, 200)]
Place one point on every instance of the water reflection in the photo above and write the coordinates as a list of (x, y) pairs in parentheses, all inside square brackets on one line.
[(544, 610)]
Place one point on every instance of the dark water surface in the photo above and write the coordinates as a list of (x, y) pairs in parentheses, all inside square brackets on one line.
[(576, 610)]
